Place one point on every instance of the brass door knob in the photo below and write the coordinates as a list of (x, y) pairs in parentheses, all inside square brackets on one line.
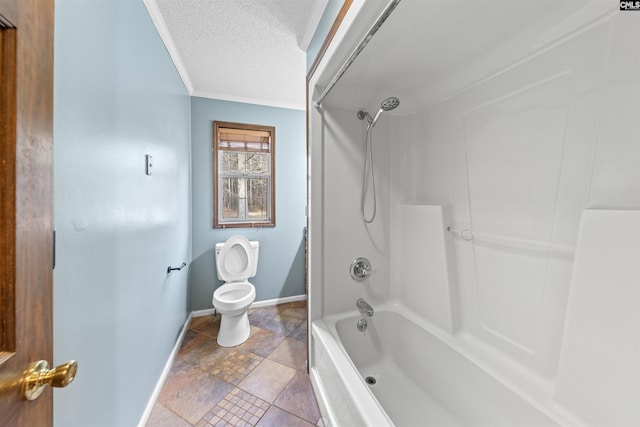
[(38, 376)]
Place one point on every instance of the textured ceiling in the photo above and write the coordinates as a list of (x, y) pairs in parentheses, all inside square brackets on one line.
[(240, 50)]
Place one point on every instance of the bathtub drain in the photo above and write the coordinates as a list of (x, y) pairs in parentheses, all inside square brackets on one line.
[(370, 380)]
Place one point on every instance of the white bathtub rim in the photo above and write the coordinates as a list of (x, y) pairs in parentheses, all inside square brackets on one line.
[(328, 416), (369, 409), (542, 402)]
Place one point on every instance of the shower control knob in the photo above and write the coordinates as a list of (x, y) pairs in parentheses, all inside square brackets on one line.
[(360, 269)]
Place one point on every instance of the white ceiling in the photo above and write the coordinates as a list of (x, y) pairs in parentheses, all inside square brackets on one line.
[(240, 50)]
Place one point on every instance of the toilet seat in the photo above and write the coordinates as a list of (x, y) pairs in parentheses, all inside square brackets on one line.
[(234, 296), (235, 269)]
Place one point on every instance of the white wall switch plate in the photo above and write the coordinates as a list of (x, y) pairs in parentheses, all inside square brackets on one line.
[(149, 161)]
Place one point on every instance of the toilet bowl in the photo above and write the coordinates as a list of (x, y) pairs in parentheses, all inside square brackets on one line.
[(232, 300), (236, 262)]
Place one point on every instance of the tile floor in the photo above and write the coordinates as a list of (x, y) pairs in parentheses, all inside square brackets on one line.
[(262, 382)]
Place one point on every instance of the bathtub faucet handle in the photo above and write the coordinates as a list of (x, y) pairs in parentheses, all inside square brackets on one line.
[(360, 269), (368, 271)]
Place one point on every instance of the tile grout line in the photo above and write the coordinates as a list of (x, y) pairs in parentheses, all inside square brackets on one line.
[(282, 325)]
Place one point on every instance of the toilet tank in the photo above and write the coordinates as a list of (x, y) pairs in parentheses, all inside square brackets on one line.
[(255, 246)]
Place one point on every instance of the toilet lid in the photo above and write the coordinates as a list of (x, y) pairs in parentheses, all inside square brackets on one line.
[(235, 259)]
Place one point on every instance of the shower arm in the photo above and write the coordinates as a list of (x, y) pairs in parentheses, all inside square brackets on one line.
[(364, 115)]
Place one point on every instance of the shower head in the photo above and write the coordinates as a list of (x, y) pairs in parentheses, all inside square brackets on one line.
[(386, 105), (389, 103)]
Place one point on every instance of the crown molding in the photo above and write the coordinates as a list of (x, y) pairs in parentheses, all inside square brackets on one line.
[(247, 100), (161, 26)]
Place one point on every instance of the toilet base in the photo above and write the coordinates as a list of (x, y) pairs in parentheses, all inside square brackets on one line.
[(234, 329)]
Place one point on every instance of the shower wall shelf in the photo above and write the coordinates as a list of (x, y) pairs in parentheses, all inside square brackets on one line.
[(468, 235)]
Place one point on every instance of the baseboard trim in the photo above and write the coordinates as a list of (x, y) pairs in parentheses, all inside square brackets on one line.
[(256, 304), (165, 372), (178, 344)]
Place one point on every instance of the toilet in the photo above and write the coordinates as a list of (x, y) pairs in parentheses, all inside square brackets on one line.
[(236, 262)]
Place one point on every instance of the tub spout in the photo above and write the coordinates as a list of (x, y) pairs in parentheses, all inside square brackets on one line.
[(364, 307)]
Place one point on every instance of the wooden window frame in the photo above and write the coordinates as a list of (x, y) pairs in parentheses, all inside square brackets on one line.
[(271, 194)]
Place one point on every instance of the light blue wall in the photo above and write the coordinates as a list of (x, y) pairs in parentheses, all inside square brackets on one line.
[(281, 258), (116, 311), (328, 17)]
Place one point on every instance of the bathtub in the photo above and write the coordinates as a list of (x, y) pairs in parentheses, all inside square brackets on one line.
[(420, 380)]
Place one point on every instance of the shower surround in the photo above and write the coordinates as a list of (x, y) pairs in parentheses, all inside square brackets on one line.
[(508, 217)]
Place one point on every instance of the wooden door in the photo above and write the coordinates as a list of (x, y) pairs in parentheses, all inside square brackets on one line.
[(26, 199)]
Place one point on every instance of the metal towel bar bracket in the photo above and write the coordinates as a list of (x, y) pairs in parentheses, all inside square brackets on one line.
[(170, 269)]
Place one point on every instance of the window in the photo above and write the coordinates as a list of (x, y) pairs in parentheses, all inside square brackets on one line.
[(243, 175)]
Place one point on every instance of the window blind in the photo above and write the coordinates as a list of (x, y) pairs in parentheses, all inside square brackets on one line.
[(244, 140)]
